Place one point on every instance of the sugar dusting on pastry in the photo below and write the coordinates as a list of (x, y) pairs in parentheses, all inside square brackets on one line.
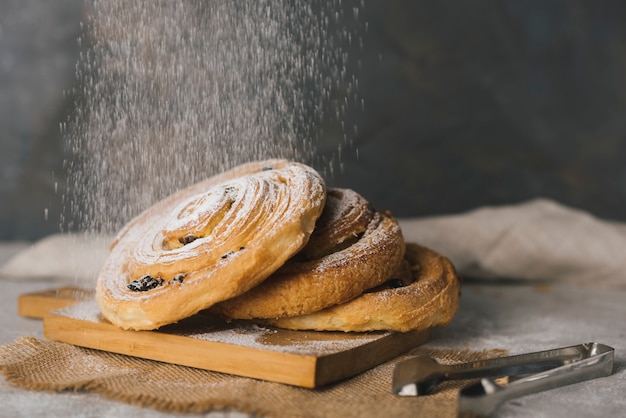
[(239, 240), (353, 248)]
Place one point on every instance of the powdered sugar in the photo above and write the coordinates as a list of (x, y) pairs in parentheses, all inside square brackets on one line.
[(83, 311), (169, 93), (297, 342), (227, 220), (240, 333)]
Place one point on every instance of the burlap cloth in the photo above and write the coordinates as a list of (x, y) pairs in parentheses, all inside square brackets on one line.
[(36, 364)]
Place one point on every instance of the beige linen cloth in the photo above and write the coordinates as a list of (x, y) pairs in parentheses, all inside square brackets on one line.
[(536, 240)]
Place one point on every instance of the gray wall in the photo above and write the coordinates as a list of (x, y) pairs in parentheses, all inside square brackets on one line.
[(38, 52), (493, 103)]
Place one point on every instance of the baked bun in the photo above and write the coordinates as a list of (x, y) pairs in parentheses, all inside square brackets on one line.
[(353, 248), (430, 300), (210, 242)]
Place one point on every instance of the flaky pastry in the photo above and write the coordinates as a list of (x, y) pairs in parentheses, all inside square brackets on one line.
[(431, 300), (353, 248), (210, 242)]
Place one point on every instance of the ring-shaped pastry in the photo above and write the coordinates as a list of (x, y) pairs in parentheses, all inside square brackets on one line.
[(210, 242), (353, 248), (431, 300)]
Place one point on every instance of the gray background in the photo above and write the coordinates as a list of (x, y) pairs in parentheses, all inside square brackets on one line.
[(466, 104)]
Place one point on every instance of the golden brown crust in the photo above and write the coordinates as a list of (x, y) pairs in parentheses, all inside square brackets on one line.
[(210, 242), (432, 300), (352, 249)]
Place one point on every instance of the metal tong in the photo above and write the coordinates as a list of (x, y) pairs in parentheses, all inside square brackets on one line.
[(542, 370)]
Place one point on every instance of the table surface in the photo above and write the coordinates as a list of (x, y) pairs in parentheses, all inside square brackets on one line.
[(518, 317)]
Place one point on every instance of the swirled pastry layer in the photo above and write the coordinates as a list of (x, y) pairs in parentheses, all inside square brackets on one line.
[(210, 242), (431, 300), (353, 248)]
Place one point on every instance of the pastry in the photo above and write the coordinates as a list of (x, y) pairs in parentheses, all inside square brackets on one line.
[(431, 300), (208, 243), (353, 248)]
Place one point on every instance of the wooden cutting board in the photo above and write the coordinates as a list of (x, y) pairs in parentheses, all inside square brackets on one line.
[(38, 304), (302, 358)]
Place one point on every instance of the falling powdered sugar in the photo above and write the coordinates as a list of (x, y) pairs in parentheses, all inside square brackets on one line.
[(170, 93)]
